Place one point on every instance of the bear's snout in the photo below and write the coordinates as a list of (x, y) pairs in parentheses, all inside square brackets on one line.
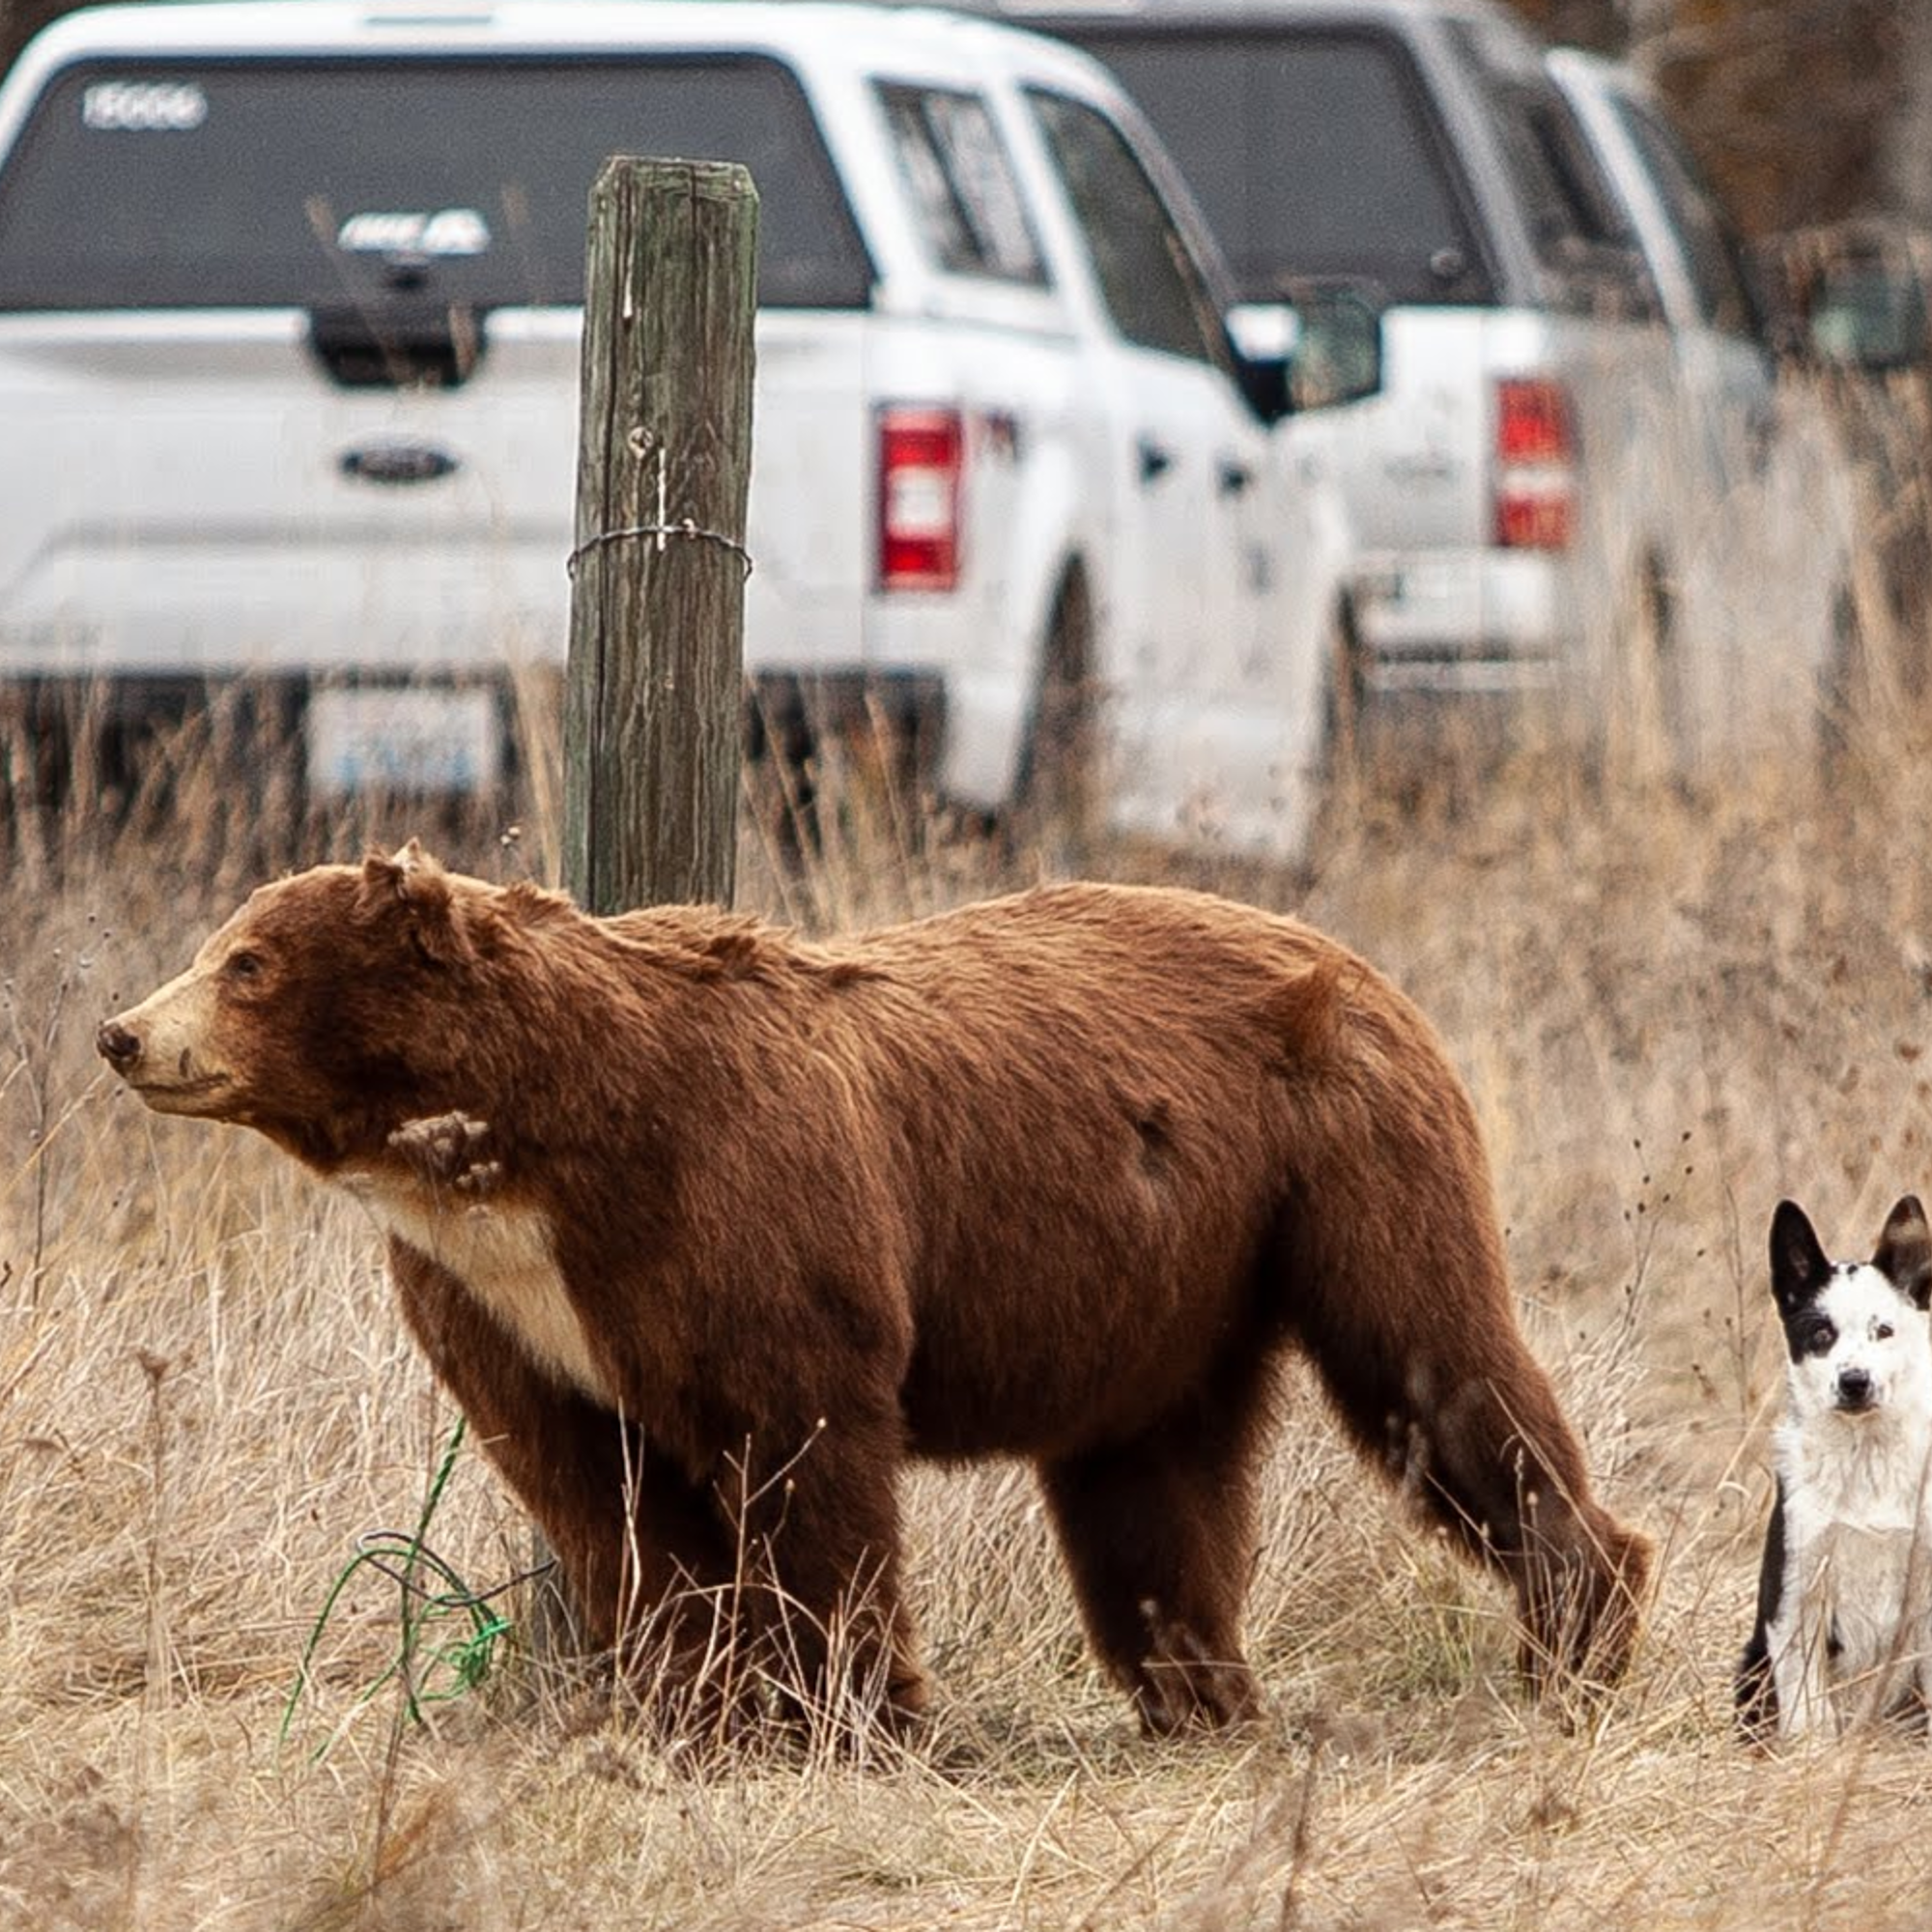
[(161, 1048), (117, 1045)]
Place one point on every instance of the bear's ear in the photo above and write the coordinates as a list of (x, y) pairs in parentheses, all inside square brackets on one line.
[(415, 882), (1797, 1264), (1904, 1255)]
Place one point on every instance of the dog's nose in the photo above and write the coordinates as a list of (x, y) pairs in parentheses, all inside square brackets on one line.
[(1855, 1388), (118, 1045)]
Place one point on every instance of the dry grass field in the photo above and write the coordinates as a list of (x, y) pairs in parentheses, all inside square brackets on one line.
[(1672, 1006)]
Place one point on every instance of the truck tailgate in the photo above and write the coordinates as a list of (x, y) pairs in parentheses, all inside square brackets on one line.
[(190, 491)]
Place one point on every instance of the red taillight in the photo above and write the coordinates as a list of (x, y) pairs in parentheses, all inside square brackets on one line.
[(1532, 421), (921, 458), (1535, 459)]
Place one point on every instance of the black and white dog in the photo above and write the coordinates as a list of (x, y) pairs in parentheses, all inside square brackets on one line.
[(1844, 1600)]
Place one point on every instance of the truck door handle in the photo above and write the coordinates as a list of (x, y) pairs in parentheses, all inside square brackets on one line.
[(1154, 460), (1232, 477)]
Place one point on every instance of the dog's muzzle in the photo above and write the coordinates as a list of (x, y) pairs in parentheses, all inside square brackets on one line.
[(1856, 1391)]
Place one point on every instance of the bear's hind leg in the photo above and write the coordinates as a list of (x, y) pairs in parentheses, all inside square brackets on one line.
[(1159, 1536), (1501, 1467), (1467, 1421)]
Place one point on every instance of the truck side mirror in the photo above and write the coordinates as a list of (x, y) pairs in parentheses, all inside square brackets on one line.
[(1326, 346), (1852, 297), (1867, 316)]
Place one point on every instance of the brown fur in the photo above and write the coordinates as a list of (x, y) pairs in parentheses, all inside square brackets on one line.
[(1059, 1176)]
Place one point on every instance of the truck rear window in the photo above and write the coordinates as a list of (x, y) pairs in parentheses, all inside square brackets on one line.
[(308, 183), (1312, 155)]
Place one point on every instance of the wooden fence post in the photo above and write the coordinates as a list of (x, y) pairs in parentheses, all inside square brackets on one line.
[(654, 693), (654, 686)]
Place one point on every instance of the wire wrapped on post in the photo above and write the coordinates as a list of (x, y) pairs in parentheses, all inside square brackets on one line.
[(686, 529)]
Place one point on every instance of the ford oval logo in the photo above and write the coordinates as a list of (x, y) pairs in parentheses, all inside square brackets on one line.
[(398, 462)]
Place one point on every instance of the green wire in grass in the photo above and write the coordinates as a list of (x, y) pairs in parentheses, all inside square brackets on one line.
[(402, 1557)]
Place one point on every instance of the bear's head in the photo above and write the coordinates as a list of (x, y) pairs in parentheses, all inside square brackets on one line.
[(322, 1013)]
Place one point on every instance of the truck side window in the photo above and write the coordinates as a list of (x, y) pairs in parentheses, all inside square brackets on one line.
[(1725, 294), (1584, 241), (1148, 275), (964, 197)]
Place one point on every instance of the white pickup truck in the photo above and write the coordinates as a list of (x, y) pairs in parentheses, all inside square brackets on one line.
[(1580, 486), (1747, 473), (290, 308)]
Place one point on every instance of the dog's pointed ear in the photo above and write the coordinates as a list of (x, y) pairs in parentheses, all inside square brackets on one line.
[(1904, 1254), (1797, 1264), (414, 880)]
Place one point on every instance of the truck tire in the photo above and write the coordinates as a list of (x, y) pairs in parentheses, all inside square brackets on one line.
[(1844, 688), (1343, 764), (1650, 733), (1055, 815)]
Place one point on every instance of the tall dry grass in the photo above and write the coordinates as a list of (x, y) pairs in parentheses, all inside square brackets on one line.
[(1673, 1005)]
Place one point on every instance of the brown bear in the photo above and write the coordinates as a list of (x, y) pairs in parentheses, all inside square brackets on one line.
[(708, 1230)]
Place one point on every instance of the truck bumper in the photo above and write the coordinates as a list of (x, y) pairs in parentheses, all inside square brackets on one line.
[(1483, 621)]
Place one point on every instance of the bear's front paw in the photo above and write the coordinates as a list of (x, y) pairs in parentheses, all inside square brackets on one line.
[(447, 1148)]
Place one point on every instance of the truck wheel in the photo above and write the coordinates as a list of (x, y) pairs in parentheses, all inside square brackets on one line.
[(1055, 814), (1339, 777), (1650, 737), (1345, 708), (1844, 688)]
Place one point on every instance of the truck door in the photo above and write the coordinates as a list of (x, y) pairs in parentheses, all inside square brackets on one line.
[(1188, 464)]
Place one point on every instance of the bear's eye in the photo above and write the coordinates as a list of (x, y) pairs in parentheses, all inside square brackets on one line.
[(242, 965)]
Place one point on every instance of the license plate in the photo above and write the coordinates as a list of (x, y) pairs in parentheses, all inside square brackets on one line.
[(410, 740)]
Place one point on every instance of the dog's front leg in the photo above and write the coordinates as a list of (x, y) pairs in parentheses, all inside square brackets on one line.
[(1801, 1669)]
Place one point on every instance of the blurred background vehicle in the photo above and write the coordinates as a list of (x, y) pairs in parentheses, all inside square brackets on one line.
[(290, 305), (1580, 411)]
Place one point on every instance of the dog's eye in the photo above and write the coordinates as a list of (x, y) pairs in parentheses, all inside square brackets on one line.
[(1882, 1332), (1818, 1341)]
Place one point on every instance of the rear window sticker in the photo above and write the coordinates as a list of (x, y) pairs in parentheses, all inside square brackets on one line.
[(143, 106), (446, 231)]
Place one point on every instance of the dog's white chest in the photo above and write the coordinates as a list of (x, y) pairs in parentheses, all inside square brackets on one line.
[(504, 1256), (1858, 1581)]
